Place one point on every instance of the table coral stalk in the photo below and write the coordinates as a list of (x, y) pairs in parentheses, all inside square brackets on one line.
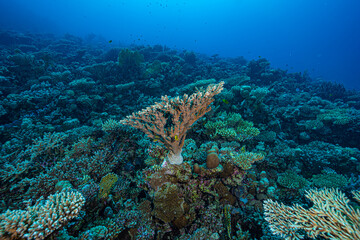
[(168, 121)]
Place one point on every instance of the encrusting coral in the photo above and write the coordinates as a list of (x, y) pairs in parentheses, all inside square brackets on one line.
[(40, 220)]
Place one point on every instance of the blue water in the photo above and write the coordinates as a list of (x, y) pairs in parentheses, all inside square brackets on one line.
[(321, 37)]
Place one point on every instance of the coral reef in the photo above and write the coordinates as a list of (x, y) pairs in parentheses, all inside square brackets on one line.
[(251, 139)]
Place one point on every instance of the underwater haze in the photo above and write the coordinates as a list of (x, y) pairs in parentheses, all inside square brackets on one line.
[(321, 37), (179, 120)]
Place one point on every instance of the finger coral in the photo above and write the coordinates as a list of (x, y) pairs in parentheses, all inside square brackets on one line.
[(42, 219)]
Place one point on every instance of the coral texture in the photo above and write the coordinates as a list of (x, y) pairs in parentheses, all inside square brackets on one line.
[(330, 217), (168, 121), (40, 220)]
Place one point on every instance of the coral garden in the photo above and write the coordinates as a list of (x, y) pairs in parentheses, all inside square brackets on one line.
[(149, 142)]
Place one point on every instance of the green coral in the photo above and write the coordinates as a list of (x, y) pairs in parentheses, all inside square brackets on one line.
[(111, 125), (107, 229), (192, 87), (130, 62), (290, 179), (231, 126), (155, 68), (244, 160), (130, 58), (330, 180), (314, 124), (338, 116), (228, 133), (266, 136)]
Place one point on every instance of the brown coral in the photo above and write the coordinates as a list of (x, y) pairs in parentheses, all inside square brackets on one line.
[(168, 204), (212, 159)]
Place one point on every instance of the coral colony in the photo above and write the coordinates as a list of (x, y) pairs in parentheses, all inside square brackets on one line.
[(222, 148)]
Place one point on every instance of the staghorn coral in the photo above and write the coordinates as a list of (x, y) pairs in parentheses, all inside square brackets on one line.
[(111, 125), (10, 172), (50, 145), (42, 219), (97, 165), (82, 147), (42, 153), (72, 169), (330, 217)]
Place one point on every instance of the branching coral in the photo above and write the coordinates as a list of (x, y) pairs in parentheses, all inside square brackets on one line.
[(168, 121), (330, 217), (42, 219), (231, 126), (244, 160), (50, 145), (241, 159)]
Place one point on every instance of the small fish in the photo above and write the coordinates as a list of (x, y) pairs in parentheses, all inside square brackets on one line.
[(156, 138), (243, 149), (176, 138), (225, 101), (110, 41)]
